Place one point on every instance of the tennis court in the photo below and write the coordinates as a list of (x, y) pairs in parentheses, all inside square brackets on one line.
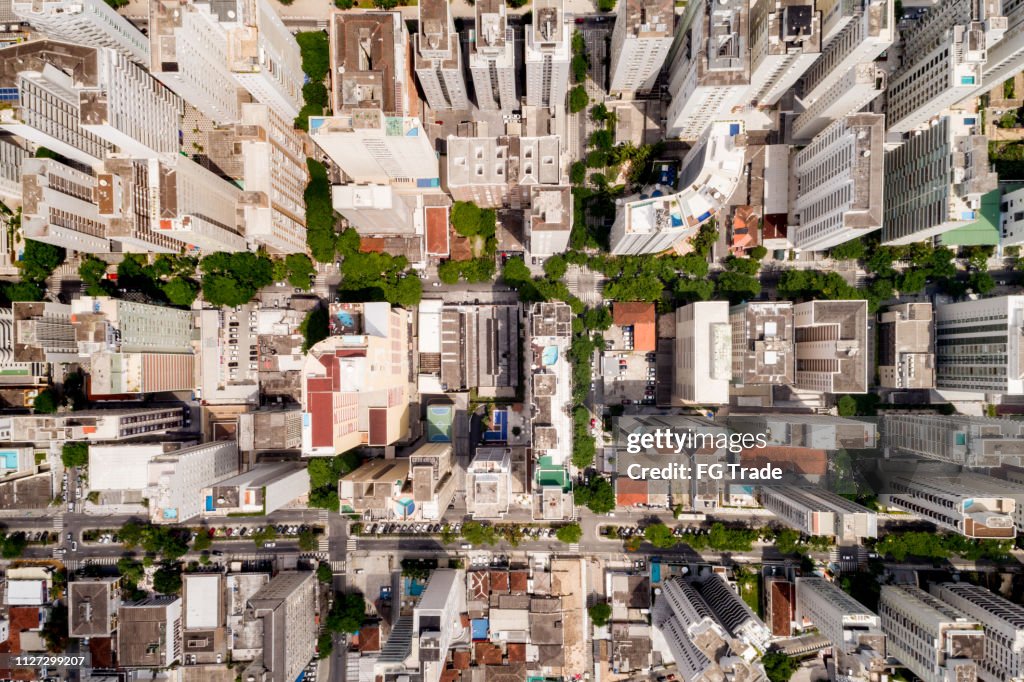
[(499, 428), (439, 423)]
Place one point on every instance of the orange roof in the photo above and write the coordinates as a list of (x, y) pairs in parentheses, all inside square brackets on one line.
[(643, 318), (630, 491), (518, 582), (369, 638), (371, 245), (461, 248), (806, 461), (437, 230), (499, 582), (516, 652), (487, 653), (782, 607), (461, 659)]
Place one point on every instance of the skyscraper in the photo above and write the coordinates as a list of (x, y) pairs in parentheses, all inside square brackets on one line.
[(978, 344), (831, 346), (492, 62), (93, 23), (1004, 628), (641, 41), (703, 353), (289, 633), (439, 57), (547, 55), (785, 40)]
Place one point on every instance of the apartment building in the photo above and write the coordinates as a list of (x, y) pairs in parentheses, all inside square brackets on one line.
[(785, 40), (816, 511), (175, 480), (496, 172), (906, 347), (1011, 218), (355, 386), (817, 431), (207, 51), (480, 349), (434, 475), (438, 61), (58, 207), (762, 343), (849, 94), (93, 23), (489, 483), (14, 372), (932, 639), (977, 345), (91, 425), (641, 41), (549, 219), (289, 633), (831, 346), (853, 629), (110, 104), (263, 489), (1004, 628), (93, 607), (149, 632), (492, 62), (838, 184), (934, 181), (547, 54), (703, 354), (976, 442), (709, 67)]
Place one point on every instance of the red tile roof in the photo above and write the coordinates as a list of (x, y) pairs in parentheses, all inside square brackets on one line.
[(630, 492), (479, 585), (461, 659), (516, 653), (519, 581), (781, 595), (369, 638), (643, 318), (487, 653), (437, 230), (805, 461), (499, 582), (378, 426)]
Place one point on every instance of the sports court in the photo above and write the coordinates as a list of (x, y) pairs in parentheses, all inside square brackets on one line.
[(439, 423)]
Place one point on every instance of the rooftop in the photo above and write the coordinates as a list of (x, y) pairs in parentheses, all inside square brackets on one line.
[(363, 48), (647, 18)]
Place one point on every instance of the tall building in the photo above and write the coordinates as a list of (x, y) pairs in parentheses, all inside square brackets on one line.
[(867, 31), (133, 347), (59, 208), (976, 442), (93, 606), (92, 425), (839, 179), (974, 505), (43, 332), (355, 386), (175, 480), (86, 102), (492, 61), (149, 632), (374, 135), (709, 68), (439, 58), (480, 349), (818, 431), (489, 483), (547, 55), (548, 222), (496, 172), (289, 633), (906, 347), (932, 639), (1011, 218), (709, 176), (978, 344), (93, 23), (1006, 58), (945, 54), (816, 511), (849, 94), (205, 51), (13, 371), (762, 343), (785, 40), (934, 181), (831, 346), (1004, 628), (703, 354), (641, 41), (434, 476), (850, 626)]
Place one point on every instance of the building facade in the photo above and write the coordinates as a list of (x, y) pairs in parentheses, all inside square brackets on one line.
[(703, 354), (906, 347), (492, 62), (641, 41), (547, 55), (438, 61), (87, 22), (978, 344)]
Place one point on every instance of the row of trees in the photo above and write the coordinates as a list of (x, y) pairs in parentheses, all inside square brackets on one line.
[(38, 261), (324, 473), (315, 49)]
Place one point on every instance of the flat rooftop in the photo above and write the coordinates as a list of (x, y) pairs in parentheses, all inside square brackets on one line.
[(363, 59), (648, 18)]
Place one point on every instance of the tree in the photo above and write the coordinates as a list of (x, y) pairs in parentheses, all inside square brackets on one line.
[(75, 455), (315, 49), (578, 173), (320, 235), (324, 573), (578, 99), (597, 495), (202, 541), (660, 536), (315, 327), (45, 402), (300, 269), (325, 642), (308, 541), (466, 218), (847, 406), (13, 545), (39, 260), (180, 291), (779, 667), (787, 541), (130, 534), (758, 253), (851, 250), (347, 613), (93, 271), (449, 272), (477, 533), (600, 613), (555, 267), (569, 534), (262, 536), (167, 578)]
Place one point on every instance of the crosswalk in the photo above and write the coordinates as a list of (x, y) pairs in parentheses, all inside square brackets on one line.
[(352, 544), (58, 522), (337, 566), (574, 548), (74, 564)]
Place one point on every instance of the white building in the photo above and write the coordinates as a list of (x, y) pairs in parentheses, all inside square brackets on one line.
[(934, 181), (13, 153), (176, 480), (438, 61), (149, 633), (785, 40), (868, 30), (703, 354), (206, 51), (851, 93), (817, 511), (711, 171), (548, 55), (710, 69), (489, 483), (974, 505), (289, 637), (1011, 218), (641, 41), (969, 357), (109, 103), (87, 22), (944, 57), (849, 625), (1006, 58), (58, 207), (91, 425), (492, 62), (837, 180), (275, 175), (263, 489), (1004, 628), (371, 147), (831, 346), (549, 219), (975, 442), (934, 640)]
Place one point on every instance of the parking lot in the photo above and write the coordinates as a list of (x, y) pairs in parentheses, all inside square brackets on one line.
[(629, 378)]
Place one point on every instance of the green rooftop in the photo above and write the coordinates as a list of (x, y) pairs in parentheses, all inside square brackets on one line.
[(982, 232)]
